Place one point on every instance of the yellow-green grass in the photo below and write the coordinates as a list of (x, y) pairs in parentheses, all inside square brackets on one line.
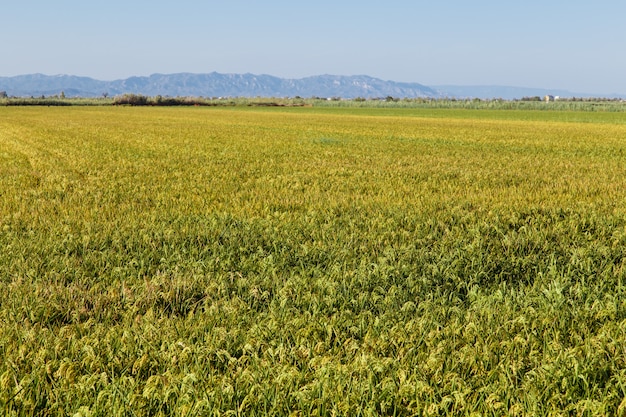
[(210, 261)]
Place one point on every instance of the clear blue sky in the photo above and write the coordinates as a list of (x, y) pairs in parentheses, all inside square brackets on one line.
[(576, 45)]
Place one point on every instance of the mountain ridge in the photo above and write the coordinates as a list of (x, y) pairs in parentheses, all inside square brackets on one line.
[(216, 84)]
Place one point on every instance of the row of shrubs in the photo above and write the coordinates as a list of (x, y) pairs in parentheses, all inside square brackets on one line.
[(126, 99), (141, 100), (35, 102)]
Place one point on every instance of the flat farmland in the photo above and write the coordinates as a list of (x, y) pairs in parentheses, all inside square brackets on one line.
[(312, 261)]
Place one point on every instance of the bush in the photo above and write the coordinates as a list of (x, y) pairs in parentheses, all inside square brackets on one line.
[(131, 100)]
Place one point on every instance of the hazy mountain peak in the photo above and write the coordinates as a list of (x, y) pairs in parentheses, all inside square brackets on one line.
[(216, 84), (213, 85)]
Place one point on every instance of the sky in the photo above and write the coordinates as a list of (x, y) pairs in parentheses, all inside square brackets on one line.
[(555, 44)]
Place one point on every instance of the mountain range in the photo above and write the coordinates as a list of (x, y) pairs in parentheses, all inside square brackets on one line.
[(213, 85), (250, 85)]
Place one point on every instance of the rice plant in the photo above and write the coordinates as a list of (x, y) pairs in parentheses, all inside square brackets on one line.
[(311, 261)]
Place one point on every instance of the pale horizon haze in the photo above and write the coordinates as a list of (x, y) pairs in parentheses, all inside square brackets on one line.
[(572, 45)]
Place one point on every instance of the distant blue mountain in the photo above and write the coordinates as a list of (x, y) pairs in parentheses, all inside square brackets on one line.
[(214, 85), (250, 85)]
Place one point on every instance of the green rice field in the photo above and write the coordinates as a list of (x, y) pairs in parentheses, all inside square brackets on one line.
[(337, 261)]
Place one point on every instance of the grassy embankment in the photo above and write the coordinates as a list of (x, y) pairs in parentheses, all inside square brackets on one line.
[(200, 261)]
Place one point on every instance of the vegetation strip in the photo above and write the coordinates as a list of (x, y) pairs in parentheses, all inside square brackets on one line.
[(311, 261)]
